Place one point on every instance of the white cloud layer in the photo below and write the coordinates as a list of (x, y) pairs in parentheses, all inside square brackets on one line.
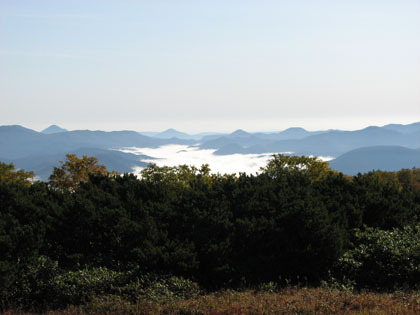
[(173, 155)]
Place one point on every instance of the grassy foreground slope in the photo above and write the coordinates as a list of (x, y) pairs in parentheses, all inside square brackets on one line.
[(286, 301)]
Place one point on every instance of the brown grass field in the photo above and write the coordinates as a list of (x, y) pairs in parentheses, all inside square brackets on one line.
[(285, 301)]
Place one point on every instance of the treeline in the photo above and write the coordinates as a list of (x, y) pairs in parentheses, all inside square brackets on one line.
[(296, 222)]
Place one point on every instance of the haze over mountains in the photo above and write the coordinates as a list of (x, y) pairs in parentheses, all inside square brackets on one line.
[(390, 147)]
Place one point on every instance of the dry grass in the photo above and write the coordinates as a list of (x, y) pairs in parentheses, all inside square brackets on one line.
[(287, 301)]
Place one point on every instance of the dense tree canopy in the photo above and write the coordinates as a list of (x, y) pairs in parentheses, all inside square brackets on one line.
[(291, 223)]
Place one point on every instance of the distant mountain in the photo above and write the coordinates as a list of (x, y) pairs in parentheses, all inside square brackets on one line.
[(240, 138), (239, 133), (391, 147), (206, 134), (231, 148), (172, 133), (18, 142), (335, 143), (211, 137), (330, 143), (259, 142), (384, 158), (290, 133), (411, 128), (53, 129), (40, 152), (43, 165), (148, 133)]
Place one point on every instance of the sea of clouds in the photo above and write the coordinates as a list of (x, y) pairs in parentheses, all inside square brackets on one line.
[(173, 155)]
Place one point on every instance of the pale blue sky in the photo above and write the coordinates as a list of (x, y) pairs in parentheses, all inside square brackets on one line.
[(209, 65)]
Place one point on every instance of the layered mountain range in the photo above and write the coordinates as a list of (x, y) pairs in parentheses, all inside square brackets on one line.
[(390, 147)]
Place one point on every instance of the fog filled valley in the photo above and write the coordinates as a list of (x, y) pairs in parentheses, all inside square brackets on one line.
[(174, 155), (387, 148)]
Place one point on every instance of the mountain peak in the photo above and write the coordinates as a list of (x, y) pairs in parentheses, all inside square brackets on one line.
[(172, 133), (53, 129), (170, 130), (239, 133)]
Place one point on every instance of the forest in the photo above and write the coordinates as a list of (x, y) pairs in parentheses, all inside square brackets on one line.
[(180, 232)]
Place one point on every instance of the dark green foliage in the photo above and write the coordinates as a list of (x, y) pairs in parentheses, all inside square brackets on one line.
[(23, 226), (384, 203), (383, 260), (286, 225), (280, 226), (43, 285)]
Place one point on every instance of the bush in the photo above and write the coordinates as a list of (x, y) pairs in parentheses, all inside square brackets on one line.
[(159, 289), (268, 287), (383, 260), (35, 285), (77, 287), (44, 285)]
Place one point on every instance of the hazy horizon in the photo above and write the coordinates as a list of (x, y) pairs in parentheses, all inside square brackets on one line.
[(198, 131), (200, 66)]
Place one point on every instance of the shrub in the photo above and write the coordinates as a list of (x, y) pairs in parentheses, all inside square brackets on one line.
[(383, 260), (168, 289), (44, 286), (268, 287)]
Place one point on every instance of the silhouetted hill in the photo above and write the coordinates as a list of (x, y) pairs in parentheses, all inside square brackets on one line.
[(384, 158), (53, 129)]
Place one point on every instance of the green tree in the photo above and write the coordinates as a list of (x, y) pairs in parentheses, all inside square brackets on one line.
[(383, 259), (312, 166), (181, 175), (8, 175)]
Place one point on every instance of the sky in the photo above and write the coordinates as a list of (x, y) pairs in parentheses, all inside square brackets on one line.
[(215, 65)]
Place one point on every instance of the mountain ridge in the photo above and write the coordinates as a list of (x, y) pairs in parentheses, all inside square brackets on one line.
[(384, 158), (21, 145)]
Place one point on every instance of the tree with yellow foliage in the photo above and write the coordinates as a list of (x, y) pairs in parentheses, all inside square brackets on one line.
[(8, 175), (75, 170), (315, 168)]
